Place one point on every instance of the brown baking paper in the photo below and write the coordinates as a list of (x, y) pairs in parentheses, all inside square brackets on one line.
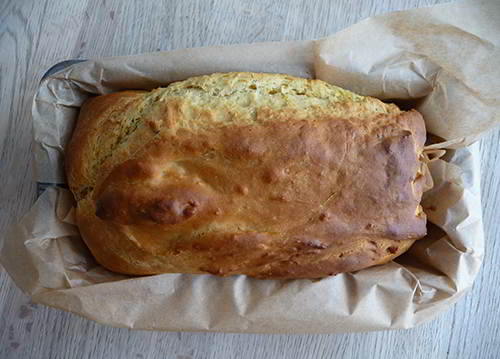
[(444, 60)]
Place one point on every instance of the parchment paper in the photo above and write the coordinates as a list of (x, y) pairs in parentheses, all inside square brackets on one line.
[(443, 60)]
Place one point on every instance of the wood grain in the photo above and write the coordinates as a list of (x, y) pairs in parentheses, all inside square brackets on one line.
[(36, 34)]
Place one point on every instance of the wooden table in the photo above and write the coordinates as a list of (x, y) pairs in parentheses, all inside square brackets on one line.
[(36, 34)]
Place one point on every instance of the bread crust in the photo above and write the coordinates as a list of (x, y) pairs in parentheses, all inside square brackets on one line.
[(238, 174)]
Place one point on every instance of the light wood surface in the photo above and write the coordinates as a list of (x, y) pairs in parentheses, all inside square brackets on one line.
[(34, 35)]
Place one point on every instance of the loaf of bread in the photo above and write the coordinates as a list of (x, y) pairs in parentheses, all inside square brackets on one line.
[(266, 175)]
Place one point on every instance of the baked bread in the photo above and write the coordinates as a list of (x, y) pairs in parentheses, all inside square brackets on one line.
[(266, 175)]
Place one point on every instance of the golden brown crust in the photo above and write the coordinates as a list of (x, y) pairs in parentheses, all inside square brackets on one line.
[(97, 116), (295, 187)]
